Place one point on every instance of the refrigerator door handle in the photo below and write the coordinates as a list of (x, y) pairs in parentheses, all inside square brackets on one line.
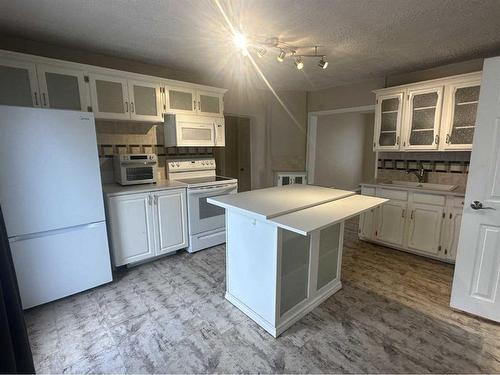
[(52, 232)]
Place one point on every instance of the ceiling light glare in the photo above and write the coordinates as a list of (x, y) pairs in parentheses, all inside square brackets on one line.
[(299, 63), (261, 52), (240, 41), (323, 63), (281, 56)]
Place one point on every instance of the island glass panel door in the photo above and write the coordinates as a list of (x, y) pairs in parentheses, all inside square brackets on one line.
[(63, 88), (294, 269), (424, 118), (463, 117), (328, 259), (388, 122), (18, 84)]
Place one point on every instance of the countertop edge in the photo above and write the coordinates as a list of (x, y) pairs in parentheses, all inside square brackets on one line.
[(429, 191), (113, 190)]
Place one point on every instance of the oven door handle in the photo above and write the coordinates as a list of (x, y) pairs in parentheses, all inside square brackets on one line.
[(137, 163), (212, 189)]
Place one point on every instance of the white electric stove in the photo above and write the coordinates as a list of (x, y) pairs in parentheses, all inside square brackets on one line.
[(206, 221)]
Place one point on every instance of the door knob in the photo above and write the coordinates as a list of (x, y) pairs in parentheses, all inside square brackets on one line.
[(476, 205)]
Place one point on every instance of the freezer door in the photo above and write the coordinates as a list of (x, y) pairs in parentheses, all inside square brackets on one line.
[(60, 263), (49, 170)]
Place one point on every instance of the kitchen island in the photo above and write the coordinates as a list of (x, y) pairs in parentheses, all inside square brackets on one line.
[(284, 249)]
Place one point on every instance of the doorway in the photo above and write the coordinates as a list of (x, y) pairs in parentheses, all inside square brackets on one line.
[(234, 160)]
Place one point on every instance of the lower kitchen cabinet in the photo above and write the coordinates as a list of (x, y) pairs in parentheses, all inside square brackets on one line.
[(424, 228), (391, 222), (423, 223), (147, 225)]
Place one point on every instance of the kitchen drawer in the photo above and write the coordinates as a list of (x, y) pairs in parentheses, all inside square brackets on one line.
[(437, 200), (457, 202), (392, 194), (366, 190)]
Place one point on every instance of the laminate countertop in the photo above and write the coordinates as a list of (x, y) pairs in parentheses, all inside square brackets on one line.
[(111, 190), (458, 192), (280, 200)]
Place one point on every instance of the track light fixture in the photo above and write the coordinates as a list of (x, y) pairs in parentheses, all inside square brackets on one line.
[(299, 63), (323, 63), (281, 56)]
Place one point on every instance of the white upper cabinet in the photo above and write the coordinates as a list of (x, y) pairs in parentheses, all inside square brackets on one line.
[(427, 116), (209, 103), (62, 88), (460, 118), (181, 100), (145, 101), (109, 97), (18, 83), (388, 121), (423, 119)]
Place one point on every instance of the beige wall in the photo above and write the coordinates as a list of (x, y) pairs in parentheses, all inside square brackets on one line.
[(344, 156), (278, 141)]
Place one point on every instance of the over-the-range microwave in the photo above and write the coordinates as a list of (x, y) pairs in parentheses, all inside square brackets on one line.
[(192, 130)]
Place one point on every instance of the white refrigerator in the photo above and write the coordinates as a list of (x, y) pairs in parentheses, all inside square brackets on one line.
[(51, 198)]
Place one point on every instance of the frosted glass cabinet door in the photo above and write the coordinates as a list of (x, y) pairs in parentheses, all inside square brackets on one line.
[(63, 88), (109, 97), (424, 115), (145, 101), (181, 100), (460, 132), (328, 260), (294, 269), (18, 84), (388, 122), (209, 103)]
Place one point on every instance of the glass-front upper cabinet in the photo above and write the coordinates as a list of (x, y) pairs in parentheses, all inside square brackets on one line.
[(180, 100), (388, 122), (109, 97), (145, 101), (423, 119), (62, 88), (18, 84), (461, 120), (209, 103)]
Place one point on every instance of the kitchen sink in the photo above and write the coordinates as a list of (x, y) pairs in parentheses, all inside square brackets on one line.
[(422, 185)]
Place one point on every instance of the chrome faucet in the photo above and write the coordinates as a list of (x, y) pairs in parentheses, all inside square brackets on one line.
[(420, 172)]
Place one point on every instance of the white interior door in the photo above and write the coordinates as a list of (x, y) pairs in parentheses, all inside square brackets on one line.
[(476, 283)]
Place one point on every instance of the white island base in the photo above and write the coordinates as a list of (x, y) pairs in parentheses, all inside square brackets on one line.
[(280, 262)]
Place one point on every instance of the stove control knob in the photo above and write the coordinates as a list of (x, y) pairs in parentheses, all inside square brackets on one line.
[(172, 165), (178, 164)]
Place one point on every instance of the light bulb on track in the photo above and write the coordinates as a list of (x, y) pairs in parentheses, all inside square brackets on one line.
[(323, 63), (261, 52), (281, 56), (299, 63)]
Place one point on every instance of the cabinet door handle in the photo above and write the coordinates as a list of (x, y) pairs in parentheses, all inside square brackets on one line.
[(403, 213), (436, 139), (397, 140), (411, 215), (150, 200), (447, 139), (194, 105), (132, 107), (156, 199), (36, 98), (126, 107), (44, 99), (199, 105), (451, 215)]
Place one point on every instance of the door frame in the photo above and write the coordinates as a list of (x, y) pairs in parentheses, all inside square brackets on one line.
[(312, 132)]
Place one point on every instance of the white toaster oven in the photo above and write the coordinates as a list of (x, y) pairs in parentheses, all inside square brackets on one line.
[(132, 169)]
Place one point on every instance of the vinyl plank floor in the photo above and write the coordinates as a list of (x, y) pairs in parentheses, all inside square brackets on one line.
[(170, 316)]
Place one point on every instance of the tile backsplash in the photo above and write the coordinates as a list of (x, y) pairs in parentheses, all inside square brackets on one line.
[(442, 167), (116, 137)]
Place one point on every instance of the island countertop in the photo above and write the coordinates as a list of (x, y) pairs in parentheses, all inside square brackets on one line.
[(280, 200)]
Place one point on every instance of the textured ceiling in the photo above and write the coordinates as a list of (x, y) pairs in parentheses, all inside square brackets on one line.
[(362, 38)]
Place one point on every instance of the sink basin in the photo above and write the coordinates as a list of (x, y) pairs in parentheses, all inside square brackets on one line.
[(424, 185)]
